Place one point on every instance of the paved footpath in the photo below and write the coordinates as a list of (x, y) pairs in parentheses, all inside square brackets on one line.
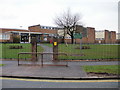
[(11, 69), (46, 58), (74, 69)]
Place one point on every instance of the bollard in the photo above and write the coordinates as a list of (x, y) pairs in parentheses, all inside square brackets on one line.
[(55, 49), (34, 49)]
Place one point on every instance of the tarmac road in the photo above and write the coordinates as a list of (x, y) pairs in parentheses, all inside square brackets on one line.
[(38, 83)]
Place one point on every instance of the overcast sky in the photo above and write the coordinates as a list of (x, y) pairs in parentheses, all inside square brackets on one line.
[(100, 14)]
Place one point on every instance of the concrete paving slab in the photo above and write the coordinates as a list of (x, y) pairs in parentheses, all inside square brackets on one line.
[(46, 71), (47, 49)]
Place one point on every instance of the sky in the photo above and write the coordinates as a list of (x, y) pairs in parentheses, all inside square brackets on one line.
[(100, 14)]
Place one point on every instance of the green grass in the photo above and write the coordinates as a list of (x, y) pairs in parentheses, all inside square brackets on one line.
[(0, 50), (96, 51), (113, 69), (12, 53), (2, 65)]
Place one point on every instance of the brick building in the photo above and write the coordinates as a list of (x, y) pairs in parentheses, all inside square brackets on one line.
[(42, 34), (6, 35), (105, 36), (87, 33), (46, 34), (118, 38)]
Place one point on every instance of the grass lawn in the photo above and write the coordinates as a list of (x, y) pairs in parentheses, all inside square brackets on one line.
[(96, 51), (2, 64), (12, 53), (112, 69), (0, 50)]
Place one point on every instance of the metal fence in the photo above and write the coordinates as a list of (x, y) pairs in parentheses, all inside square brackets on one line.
[(74, 51), (11, 50), (89, 51)]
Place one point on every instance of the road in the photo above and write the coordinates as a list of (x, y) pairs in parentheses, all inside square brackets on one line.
[(38, 83)]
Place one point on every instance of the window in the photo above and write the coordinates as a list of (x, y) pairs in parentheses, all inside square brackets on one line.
[(50, 27), (42, 27), (15, 33), (4, 36), (0, 36), (99, 38)]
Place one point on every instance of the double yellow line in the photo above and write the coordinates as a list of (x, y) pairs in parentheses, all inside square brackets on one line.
[(41, 80)]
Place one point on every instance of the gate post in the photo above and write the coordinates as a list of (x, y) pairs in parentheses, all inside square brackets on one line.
[(55, 49), (34, 48)]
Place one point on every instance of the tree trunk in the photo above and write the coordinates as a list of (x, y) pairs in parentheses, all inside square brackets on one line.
[(72, 39)]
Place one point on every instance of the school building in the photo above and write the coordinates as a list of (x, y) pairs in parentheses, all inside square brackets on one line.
[(46, 34)]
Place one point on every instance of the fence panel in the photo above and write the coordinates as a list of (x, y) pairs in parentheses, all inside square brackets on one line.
[(89, 51), (11, 50)]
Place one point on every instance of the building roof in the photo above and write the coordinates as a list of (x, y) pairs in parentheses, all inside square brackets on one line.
[(3, 30), (46, 27)]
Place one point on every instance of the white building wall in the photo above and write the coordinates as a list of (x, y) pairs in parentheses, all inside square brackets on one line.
[(118, 36), (61, 33), (99, 34)]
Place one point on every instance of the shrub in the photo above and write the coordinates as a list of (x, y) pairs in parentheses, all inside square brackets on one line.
[(83, 47), (16, 39), (15, 47)]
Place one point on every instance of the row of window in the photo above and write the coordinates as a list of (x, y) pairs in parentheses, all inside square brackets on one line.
[(4, 36), (99, 38), (68, 37), (52, 28)]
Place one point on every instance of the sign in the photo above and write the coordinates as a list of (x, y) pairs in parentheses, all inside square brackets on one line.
[(55, 43), (77, 35)]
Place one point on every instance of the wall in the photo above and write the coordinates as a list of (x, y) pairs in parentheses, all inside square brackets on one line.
[(3, 30), (113, 37), (107, 36), (89, 38), (83, 40), (100, 41), (91, 34), (7, 32), (110, 37), (38, 29)]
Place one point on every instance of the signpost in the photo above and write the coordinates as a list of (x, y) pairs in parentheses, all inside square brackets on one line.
[(78, 36)]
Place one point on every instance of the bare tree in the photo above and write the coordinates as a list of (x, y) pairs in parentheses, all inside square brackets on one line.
[(68, 21)]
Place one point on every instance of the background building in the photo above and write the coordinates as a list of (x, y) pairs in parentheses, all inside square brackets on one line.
[(88, 34), (9, 35), (41, 33), (118, 38), (46, 34), (105, 36)]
